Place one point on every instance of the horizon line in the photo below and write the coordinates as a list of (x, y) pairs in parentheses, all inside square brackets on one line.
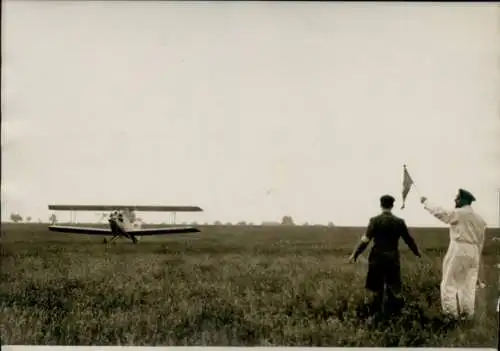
[(231, 224)]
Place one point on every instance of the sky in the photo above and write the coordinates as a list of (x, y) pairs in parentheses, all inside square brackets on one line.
[(251, 110)]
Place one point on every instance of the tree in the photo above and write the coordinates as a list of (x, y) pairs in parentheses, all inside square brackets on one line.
[(287, 220), (16, 217), (330, 224), (218, 223), (28, 219)]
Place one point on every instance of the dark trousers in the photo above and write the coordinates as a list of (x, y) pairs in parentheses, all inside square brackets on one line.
[(384, 280)]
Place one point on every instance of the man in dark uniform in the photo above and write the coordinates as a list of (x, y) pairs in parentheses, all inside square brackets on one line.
[(384, 272)]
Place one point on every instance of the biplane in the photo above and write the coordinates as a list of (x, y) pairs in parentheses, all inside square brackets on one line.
[(122, 221)]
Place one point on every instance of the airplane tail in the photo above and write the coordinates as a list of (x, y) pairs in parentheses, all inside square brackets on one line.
[(137, 224)]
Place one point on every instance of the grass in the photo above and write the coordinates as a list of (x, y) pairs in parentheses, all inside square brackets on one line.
[(243, 286)]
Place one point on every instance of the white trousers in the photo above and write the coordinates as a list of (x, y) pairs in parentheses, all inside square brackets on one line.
[(460, 273)]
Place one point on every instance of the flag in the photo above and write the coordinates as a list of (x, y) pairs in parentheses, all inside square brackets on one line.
[(407, 183)]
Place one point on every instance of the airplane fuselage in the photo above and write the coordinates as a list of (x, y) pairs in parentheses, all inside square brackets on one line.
[(120, 223)]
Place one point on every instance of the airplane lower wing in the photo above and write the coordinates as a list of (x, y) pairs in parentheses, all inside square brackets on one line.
[(138, 232), (80, 230), (163, 231)]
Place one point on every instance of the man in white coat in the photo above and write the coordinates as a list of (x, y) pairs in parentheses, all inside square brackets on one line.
[(462, 260)]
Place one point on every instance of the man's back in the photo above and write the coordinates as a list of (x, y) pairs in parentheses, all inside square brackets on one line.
[(385, 230), (469, 226)]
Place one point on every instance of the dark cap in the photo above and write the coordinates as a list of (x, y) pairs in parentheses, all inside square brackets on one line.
[(466, 195), (387, 201)]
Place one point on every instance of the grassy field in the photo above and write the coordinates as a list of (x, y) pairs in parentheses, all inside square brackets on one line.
[(225, 286)]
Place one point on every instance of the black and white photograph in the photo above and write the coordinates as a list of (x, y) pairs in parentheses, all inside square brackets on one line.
[(250, 173)]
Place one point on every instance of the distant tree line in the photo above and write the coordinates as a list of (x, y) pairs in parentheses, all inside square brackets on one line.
[(285, 221), (17, 218)]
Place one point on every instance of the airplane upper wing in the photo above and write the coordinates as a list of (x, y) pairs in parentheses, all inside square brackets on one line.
[(80, 230), (163, 231), (139, 208)]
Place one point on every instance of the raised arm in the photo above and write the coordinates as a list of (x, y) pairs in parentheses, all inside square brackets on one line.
[(444, 215), (408, 239)]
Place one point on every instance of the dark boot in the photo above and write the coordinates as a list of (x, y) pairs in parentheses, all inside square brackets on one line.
[(376, 304), (394, 304)]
